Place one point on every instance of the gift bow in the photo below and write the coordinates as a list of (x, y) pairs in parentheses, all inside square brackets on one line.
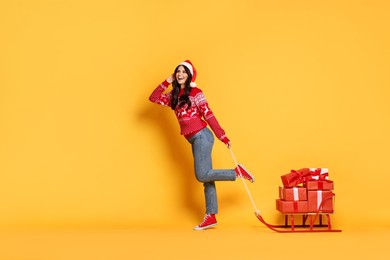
[(301, 175), (307, 174), (319, 174)]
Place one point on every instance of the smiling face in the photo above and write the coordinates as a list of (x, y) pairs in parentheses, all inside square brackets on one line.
[(181, 75)]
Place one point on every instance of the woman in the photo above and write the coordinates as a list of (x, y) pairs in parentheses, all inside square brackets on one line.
[(194, 114)]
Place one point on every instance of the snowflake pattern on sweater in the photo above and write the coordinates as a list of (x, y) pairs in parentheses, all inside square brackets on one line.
[(190, 119)]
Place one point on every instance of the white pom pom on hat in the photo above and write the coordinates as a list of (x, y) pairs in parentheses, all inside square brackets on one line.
[(192, 69)]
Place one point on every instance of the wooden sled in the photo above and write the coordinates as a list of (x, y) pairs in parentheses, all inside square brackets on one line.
[(312, 226)]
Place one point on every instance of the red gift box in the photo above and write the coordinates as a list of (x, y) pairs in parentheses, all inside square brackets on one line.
[(319, 174), (294, 193), (292, 206), (295, 177), (320, 199), (319, 185)]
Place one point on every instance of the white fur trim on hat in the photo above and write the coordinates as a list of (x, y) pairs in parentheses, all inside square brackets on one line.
[(189, 66), (192, 70)]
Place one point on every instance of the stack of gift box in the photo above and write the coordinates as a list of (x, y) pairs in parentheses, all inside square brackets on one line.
[(307, 190)]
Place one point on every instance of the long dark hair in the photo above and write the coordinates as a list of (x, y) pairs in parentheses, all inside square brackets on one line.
[(183, 99)]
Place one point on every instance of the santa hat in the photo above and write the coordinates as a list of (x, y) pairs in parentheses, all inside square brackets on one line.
[(192, 69)]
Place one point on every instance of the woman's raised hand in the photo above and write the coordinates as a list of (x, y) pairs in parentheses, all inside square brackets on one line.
[(170, 79)]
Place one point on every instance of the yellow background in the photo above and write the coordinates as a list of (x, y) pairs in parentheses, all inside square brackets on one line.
[(293, 83)]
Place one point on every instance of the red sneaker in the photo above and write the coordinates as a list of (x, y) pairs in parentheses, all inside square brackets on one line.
[(242, 172), (208, 222)]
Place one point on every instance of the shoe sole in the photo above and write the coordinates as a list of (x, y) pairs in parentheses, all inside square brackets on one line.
[(253, 178), (206, 227)]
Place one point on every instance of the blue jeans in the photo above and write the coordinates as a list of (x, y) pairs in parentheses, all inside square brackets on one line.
[(202, 145)]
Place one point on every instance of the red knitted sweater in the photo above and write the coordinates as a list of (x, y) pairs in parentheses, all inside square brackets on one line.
[(190, 120)]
